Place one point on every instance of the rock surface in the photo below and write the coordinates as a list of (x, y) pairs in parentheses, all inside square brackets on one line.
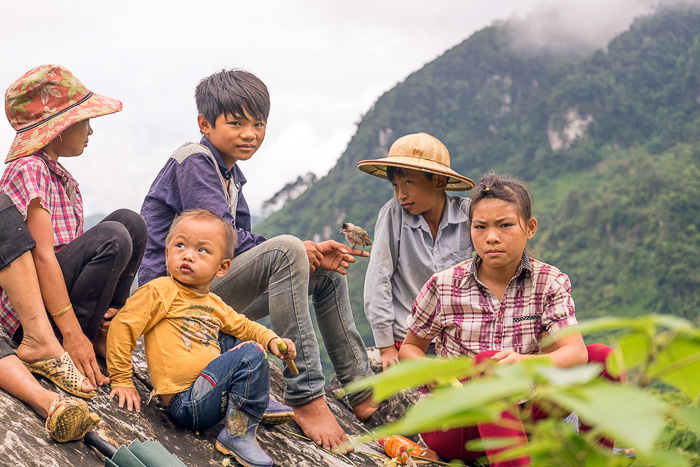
[(25, 442)]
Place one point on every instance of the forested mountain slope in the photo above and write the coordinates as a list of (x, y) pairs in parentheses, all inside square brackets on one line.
[(608, 141)]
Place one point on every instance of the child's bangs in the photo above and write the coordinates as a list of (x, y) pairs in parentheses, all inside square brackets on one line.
[(240, 107)]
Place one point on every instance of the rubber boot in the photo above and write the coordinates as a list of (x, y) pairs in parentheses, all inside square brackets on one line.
[(237, 439), (276, 414)]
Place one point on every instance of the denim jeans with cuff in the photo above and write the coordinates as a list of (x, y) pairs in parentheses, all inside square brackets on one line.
[(273, 279), (240, 376)]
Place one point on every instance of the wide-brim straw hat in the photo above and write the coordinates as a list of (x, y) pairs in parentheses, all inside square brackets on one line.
[(419, 151), (44, 102)]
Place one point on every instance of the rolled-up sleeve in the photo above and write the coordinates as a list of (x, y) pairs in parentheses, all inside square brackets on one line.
[(559, 307)]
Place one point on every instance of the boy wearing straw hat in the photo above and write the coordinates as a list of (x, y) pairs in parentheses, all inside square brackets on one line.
[(419, 232)]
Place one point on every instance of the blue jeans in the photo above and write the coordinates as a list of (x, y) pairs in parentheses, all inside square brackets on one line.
[(273, 279), (239, 378)]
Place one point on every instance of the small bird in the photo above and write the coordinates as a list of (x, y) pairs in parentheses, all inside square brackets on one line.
[(356, 236)]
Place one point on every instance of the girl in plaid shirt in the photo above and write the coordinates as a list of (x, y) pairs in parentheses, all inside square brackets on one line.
[(85, 278), (496, 306)]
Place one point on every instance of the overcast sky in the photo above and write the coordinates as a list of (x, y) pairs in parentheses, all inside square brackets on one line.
[(325, 62)]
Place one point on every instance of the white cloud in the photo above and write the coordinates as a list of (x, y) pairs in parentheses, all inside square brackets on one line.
[(325, 63)]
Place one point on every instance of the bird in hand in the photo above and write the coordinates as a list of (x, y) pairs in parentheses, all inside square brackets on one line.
[(356, 236)]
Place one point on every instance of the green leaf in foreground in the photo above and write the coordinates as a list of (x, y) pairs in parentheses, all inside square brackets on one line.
[(624, 413), (666, 459), (679, 365), (411, 374), (479, 400), (689, 416)]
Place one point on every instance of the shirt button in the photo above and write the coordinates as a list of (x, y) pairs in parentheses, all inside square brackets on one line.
[(497, 341), (434, 250), (500, 315)]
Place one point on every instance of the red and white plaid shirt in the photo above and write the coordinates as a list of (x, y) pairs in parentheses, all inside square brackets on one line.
[(39, 176), (467, 318)]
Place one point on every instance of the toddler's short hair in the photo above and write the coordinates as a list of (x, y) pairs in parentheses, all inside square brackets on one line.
[(233, 92), (230, 235)]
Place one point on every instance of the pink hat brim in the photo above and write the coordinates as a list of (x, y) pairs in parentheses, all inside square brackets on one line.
[(29, 141)]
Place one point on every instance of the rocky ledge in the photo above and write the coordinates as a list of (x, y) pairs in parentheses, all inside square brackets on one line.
[(24, 442)]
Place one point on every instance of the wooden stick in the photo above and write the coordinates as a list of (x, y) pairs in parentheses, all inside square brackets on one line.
[(282, 347)]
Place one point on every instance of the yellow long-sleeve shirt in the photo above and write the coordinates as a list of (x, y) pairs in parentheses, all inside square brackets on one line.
[(180, 328)]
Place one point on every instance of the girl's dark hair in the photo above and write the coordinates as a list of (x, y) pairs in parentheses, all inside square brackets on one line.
[(233, 92), (503, 187)]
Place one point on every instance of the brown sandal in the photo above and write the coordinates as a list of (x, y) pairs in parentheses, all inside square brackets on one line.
[(63, 373), (70, 419)]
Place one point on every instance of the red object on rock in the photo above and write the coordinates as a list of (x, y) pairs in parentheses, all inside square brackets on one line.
[(396, 445)]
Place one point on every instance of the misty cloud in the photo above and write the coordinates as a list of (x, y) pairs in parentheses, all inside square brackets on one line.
[(566, 27)]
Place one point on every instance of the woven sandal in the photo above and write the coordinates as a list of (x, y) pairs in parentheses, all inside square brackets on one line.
[(63, 373), (70, 419)]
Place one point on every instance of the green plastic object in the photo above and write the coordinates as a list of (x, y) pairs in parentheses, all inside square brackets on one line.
[(143, 454)]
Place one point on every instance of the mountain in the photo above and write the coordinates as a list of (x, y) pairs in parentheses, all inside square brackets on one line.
[(607, 141)]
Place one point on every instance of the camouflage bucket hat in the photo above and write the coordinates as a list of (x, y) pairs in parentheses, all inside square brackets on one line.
[(44, 102)]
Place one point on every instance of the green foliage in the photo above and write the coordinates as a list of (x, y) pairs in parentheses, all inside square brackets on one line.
[(616, 208), (663, 426)]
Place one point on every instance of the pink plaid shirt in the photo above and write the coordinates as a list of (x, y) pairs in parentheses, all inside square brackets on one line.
[(467, 318), (39, 176)]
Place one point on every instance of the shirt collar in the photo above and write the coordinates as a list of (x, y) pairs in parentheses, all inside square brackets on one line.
[(523, 270), (455, 215), (452, 215), (56, 168), (234, 173)]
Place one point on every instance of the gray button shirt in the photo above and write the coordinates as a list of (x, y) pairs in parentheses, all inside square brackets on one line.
[(404, 257)]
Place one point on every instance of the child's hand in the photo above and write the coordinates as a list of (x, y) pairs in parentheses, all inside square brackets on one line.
[(291, 349), (337, 257), (314, 255), (390, 356), (507, 356), (127, 395)]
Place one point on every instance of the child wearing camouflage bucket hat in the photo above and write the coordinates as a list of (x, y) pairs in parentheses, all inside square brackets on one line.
[(84, 278)]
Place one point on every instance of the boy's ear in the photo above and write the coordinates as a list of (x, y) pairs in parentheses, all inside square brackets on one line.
[(440, 181), (204, 125), (223, 268)]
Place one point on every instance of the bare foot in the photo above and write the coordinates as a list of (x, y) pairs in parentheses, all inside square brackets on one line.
[(318, 423), (33, 350), (365, 409)]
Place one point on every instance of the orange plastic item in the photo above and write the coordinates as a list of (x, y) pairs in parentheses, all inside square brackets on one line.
[(396, 445)]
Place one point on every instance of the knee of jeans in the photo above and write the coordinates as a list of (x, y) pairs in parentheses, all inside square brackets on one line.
[(292, 246), (252, 351), (335, 278)]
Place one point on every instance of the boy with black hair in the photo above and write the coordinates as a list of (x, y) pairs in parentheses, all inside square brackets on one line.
[(418, 232), (273, 276)]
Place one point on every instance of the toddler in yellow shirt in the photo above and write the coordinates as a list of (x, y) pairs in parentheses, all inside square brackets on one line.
[(206, 361)]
